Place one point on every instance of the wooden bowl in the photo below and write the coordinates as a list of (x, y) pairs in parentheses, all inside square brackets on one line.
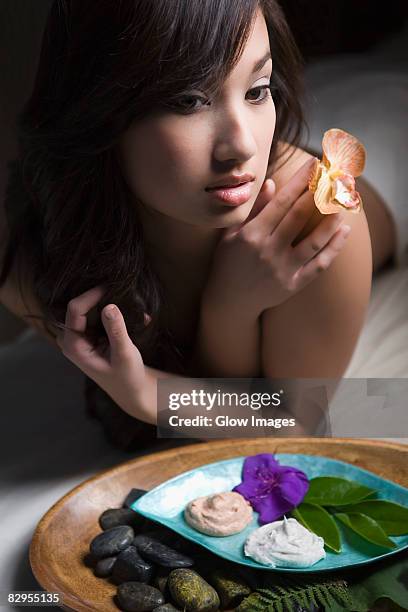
[(61, 539)]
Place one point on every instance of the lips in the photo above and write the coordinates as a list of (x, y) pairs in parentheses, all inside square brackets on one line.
[(233, 196), (233, 180), (230, 186)]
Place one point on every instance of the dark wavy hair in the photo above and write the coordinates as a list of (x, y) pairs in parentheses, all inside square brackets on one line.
[(104, 65)]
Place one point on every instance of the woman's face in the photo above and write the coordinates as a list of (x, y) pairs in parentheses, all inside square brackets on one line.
[(169, 159)]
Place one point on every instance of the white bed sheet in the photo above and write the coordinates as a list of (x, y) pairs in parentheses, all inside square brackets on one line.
[(382, 349)]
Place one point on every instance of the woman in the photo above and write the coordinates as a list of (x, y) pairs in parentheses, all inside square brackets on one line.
[(138, 110)]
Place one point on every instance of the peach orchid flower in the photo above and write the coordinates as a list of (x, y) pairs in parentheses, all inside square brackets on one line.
[(332, 179)]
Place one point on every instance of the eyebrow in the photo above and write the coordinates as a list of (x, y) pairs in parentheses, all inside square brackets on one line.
[(261, 62)]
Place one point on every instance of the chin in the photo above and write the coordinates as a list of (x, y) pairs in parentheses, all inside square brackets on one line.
[(244, 210), (236, 216)]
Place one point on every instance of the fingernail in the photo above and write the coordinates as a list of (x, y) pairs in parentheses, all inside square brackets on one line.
[(346, 230), (110, 312)]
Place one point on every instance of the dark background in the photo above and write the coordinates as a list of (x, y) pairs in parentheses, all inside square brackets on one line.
[(324, 27)]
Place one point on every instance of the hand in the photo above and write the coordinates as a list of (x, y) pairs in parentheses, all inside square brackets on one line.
[(255, 266), (119, 369)]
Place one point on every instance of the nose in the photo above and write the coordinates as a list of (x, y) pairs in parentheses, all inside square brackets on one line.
[(235, 140)]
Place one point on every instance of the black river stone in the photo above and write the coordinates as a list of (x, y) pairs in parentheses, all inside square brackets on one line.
[(160, 579), (167, 607), (113, 517), (132, 496), (112, 541), (104, 567), (138, 597), (173, 540), (159, 553), (130, 566)]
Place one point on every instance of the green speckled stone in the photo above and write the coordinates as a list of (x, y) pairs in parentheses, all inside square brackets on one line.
[(230, 587), (191, 592)]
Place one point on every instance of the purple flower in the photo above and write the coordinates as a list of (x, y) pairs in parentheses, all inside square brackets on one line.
[(272, 489)]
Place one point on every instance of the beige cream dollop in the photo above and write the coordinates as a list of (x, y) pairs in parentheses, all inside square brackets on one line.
[(220, 514)]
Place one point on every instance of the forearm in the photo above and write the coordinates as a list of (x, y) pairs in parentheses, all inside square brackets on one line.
[(227, 344), (145, 405)]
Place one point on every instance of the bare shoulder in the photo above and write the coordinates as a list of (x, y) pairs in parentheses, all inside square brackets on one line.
[(314, 332)]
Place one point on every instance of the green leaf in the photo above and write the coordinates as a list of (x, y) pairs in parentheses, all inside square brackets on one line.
[(280, 593), (317, 519), (386, 579), (333, 491), (366, 527), (392, 517)]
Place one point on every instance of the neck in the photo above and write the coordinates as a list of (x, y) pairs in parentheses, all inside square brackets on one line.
[(175, 246)]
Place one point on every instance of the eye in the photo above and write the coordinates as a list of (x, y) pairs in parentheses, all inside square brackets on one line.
[(261, 93), (188, 103)]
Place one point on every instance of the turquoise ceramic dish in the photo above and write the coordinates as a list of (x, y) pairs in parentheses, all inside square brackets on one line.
[(165, 504)]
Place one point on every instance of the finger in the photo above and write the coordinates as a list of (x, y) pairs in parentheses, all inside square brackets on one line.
[(81, 351), (318, 238), (264, 196), (83, 354), (281, 203), (295, 220), (79, 307), (323, 260), (75, 345), (120, 344)]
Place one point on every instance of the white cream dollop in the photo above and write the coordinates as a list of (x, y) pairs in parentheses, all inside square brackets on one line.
[(285, 543)]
